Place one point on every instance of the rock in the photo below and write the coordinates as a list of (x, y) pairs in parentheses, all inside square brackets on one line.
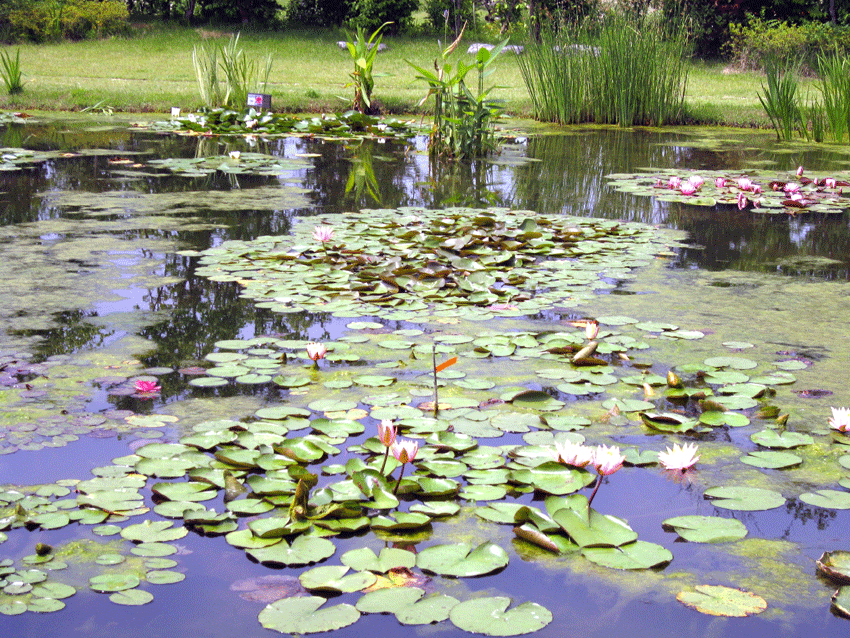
[(342, 44), (475, 47)]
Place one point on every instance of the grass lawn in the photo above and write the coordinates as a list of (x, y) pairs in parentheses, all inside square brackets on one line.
[(152, 71)]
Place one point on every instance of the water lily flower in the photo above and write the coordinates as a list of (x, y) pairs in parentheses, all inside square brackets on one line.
[(800, 171), (745, 183), (235, 155), (323, 233), (687, 188), (607, 460), (250, 123), (840, 419), (659, 183), (386, 432), (720, 182), (316, 351), (791, 187), (742, 201), (680, 457), (674, 182), (146, 387), (829, 182), (591, 330), (697, 181), (574, 454), (404, 452), (796, 197)]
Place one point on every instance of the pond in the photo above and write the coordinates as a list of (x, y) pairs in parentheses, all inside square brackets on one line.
[(133, 254)]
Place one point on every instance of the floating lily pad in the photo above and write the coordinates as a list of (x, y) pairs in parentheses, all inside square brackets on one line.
[(461, 560), (771, 460), (829, 499), (335, 579), (304, 616), (716, 600), (706, 529), (637, 555), (303, 551), (491, 617), (835, 565), (785, 440), (113, 582), (747, 499), (410, 605), (132, 597), (153, 532)]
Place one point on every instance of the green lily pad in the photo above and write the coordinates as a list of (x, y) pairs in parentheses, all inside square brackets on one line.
[(491, 617), (706, 529), (303, 551), (588, 528), (335, 579), (153, 532), (52, 589), (364, 558), (113, 582), (410, 605), (784, 440), (771, 460), (637, 555), (835, 565), (735, 363), (716, 600), (133, 597), (304, 616), (829, 499), (461, 560), (748, 499)]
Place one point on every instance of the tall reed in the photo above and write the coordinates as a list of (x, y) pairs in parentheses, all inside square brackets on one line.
[(239, 73), (779, 98), (11, 72), (834, 72), (631, 71)]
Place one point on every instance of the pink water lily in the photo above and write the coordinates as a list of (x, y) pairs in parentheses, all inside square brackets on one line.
[(840, 419), (323, 233), (591, 330), (574, 454), (404, 452), (745, 183), (720, 182), (756, 189), (829, 182), (146, 387), (799, 171), (680, 457), (742, 201), (316, 351), (791, 187), (687, 188), (607, 460), (674, 182), (697, 181), (387, 434)]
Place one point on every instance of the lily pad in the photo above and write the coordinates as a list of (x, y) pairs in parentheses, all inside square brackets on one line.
[(335, 579), (706, 529), (491, 617), (461, 560), (410, 605), (828, 499), (637, 555), (305, 616), (716, 600), (364, 558), (748, 499)]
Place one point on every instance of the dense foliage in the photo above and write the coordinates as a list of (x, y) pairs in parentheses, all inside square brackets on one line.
[(71, 19), (753, 43)]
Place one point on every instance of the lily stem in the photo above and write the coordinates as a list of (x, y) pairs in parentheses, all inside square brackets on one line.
[(595, 489), (400, 474), (386, 456)]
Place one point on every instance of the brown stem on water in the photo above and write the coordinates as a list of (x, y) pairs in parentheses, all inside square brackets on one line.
[(595, 489), (400, 474), (434, 361), (386, 456)]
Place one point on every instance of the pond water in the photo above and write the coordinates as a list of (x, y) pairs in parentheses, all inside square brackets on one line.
[(104, 282)]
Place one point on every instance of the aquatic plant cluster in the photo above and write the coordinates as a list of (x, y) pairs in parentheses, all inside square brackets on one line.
[(529, 409), (759, 192)]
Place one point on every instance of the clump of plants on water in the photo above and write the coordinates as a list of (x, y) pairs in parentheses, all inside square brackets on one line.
[(464, 122), (759, 192), (226, 74), (253, 124), (628, 71)]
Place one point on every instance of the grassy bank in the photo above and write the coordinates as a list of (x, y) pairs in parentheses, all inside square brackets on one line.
[(152, 72)]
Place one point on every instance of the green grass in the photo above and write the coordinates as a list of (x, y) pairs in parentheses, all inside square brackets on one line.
[(153, 71)]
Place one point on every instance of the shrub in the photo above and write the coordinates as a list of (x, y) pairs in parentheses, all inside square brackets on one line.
[(371, 14), (453, 13), (71, 19), (327, 13), (753, 43)]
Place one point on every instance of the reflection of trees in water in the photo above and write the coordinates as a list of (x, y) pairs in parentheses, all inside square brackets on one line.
[(802, 513), (72, 333)]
